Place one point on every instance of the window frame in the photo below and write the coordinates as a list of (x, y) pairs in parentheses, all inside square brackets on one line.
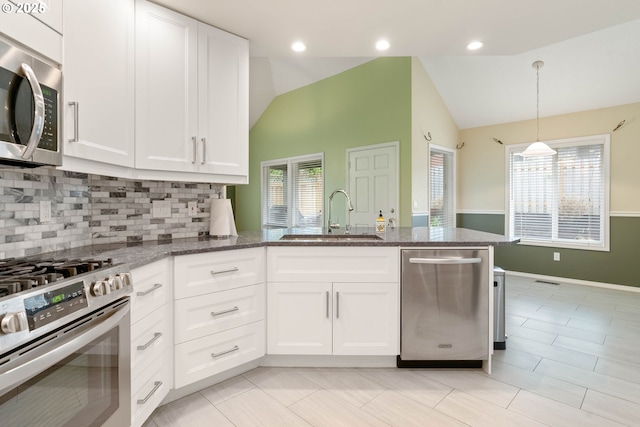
[(453, 184), (290, 197), (605, 141)]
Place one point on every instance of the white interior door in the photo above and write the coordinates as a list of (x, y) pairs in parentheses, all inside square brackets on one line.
[(373, 183)]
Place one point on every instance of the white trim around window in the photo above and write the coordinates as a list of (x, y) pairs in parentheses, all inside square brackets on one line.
[(288, 201), (562, 200)]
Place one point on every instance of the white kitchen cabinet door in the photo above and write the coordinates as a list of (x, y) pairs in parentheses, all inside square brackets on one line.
[(299, 318), (223, 102), (366, 319), (98, 72), (40, 31), (52, 15), (166, 89)]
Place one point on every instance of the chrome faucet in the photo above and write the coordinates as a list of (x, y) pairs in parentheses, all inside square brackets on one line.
[(332, 226)]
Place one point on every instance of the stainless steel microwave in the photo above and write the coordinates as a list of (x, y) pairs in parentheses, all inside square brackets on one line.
[(30, 122)]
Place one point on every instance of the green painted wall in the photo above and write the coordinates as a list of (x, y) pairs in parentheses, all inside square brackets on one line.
[(621, 265), (365, 105)]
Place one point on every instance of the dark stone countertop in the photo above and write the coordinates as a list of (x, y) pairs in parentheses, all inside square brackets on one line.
[(139, 254)]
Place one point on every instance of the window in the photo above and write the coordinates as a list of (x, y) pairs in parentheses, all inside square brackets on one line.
[(293, 192), (561, 200), (442, 187)]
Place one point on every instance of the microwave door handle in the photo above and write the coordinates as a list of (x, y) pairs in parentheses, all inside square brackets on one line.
[(38, 116)]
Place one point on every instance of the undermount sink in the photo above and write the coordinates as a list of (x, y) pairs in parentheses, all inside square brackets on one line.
[(331, 237)]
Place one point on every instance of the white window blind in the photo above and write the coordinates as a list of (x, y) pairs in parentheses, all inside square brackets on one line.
[(441, 188), (561, 200), (308, 194), (293, 192), (275, 191)]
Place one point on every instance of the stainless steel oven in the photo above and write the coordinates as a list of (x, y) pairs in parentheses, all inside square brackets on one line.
[(65, 355), (30, 91)]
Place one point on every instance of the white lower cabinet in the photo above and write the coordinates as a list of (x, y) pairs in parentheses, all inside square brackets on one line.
[(203, 357), (219, 312), (151, 338), (333, 301), (333, 318)]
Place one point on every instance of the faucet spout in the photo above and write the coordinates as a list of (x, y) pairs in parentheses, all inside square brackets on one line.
[(331, 225)]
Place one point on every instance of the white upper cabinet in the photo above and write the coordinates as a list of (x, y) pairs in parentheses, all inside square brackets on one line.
[(223, 101), (191, 96), (52, 15), (166, 89), (99, 77), (36, 24)]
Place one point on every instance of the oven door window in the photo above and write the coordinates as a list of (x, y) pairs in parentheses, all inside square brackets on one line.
[(81, 390)]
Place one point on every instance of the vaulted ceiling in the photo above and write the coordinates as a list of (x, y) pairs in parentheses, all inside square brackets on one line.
[(591, 49)]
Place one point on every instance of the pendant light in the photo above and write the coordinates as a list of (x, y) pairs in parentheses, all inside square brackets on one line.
[(538, 149)]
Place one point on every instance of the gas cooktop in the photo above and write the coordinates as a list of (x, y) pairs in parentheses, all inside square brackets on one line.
[(38, 296), (17, 275)]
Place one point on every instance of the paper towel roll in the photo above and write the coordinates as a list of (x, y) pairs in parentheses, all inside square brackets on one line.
[(222, 222)]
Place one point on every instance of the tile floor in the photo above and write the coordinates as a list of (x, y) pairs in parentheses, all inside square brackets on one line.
[(572, 359)]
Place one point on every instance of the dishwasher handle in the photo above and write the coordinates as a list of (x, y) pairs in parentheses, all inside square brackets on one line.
[(445, 260)]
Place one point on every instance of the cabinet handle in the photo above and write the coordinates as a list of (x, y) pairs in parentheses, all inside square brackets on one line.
[(195, 149), (76, 121), (337, 305), (231, 350), (327, 304), (154, 288), (204, 150), (229, 270), (156, 386), (151, 341), (230, 310)]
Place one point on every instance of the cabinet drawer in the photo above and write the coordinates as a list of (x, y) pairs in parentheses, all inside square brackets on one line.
[(151, 288), (150, 337), (149, 388), (201, 274), (201, 358), (217, 312), (332, 264)]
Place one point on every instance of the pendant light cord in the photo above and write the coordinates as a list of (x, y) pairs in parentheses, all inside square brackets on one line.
[(538, 102)]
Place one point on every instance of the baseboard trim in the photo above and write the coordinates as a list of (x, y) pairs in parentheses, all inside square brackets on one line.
[(626, 288), (303, 361)]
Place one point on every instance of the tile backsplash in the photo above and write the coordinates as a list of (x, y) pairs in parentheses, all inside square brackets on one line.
[(92, 209)]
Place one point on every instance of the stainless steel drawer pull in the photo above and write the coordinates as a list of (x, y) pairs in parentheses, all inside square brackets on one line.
[(151, 341), (337, 305), (448, 261), (231, 350), (327, 304), (229, 270), (230, 310), (156, 386), (148, 291), (204, 150)]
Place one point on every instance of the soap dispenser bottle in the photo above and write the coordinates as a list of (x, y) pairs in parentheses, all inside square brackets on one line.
[(381, 226)]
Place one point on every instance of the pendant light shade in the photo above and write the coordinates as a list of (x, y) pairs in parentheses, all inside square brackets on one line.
[(538, 149)]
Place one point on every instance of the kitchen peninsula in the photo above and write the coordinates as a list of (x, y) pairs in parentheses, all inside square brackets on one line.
[(205, 310)]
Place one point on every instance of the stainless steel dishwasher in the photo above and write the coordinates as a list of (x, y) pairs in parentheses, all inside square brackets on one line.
[(445, 308)]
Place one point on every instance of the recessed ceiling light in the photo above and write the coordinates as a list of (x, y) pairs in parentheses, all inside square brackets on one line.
[(298, 47), (382, 44), (474, 45)]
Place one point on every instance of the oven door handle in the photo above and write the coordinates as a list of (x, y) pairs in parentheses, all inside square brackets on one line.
[(38, 112), (45, 356)]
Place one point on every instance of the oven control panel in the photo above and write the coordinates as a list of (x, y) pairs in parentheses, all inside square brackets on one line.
[(50, 306)]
